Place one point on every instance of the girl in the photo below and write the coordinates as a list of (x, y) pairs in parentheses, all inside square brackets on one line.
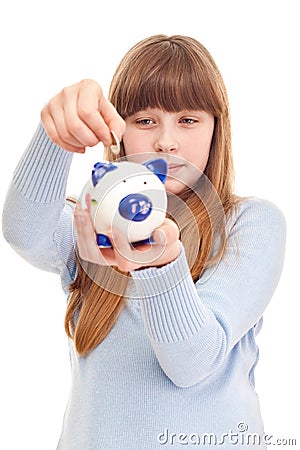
[(162, 349)]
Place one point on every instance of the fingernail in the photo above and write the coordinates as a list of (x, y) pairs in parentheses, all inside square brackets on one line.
[(159, 237)]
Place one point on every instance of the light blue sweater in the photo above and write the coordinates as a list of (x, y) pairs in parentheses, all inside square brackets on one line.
[(177, 369)]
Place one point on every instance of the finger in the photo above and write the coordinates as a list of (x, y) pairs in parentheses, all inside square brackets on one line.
[(53, 133), (166, 234), (74, 113), (86, 242), (88, 202), (87, 110), (167, 244), (122, 250), (77, 130), (89, 115), (130, 257), (111, 117), (70, 130)]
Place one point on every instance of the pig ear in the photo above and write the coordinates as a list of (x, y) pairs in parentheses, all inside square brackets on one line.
[(159, 167), (100, 169)]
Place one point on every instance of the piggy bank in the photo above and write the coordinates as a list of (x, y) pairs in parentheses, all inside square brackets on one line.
[(127, 195)]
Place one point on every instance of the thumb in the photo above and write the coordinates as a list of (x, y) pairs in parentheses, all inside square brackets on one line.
[(112, 118)]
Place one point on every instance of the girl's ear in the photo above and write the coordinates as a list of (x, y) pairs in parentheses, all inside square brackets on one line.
[(159, 167)]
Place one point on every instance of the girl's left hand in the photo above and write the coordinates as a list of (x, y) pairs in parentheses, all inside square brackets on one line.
[(122, 254)]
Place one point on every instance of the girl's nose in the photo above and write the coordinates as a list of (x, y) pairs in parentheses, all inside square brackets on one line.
[(166, 142)]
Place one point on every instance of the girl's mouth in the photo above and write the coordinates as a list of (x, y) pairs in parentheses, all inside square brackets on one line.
[(174, 168)]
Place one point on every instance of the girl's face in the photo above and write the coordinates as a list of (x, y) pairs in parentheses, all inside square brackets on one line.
[(182, 138)]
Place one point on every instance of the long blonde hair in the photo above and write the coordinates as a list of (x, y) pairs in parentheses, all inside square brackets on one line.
[(172, 73)]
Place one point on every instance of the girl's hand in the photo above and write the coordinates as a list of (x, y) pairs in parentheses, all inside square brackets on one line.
[(80, 116), (122, 254)]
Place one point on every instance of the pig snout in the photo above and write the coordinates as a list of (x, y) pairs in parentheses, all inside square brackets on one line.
[(136, 207)]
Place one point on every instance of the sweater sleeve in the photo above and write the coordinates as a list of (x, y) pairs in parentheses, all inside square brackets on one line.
[(193, 326), (36, 221)]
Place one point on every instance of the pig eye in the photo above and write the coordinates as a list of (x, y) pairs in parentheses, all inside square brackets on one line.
[(145, 182), (124, 181)]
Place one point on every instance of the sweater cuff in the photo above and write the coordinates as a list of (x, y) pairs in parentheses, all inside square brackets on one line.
[(42, 172), (170, 304)]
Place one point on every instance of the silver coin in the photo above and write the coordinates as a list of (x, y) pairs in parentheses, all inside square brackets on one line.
[(115, 146)]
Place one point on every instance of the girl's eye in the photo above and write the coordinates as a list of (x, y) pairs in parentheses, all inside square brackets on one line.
[(188, 120), (144, 122)]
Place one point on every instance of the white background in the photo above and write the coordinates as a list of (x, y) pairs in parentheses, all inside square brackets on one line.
[(48, 45)]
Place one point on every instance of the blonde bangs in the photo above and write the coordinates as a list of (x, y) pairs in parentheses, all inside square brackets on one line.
[(168, 75)]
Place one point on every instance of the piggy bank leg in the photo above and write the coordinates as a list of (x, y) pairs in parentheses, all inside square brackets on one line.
[(103, 240)]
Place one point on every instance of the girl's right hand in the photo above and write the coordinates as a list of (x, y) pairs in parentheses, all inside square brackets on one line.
[(80, 116)]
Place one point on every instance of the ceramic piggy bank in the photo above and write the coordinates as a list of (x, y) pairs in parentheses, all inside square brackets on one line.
[(127, 195)]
